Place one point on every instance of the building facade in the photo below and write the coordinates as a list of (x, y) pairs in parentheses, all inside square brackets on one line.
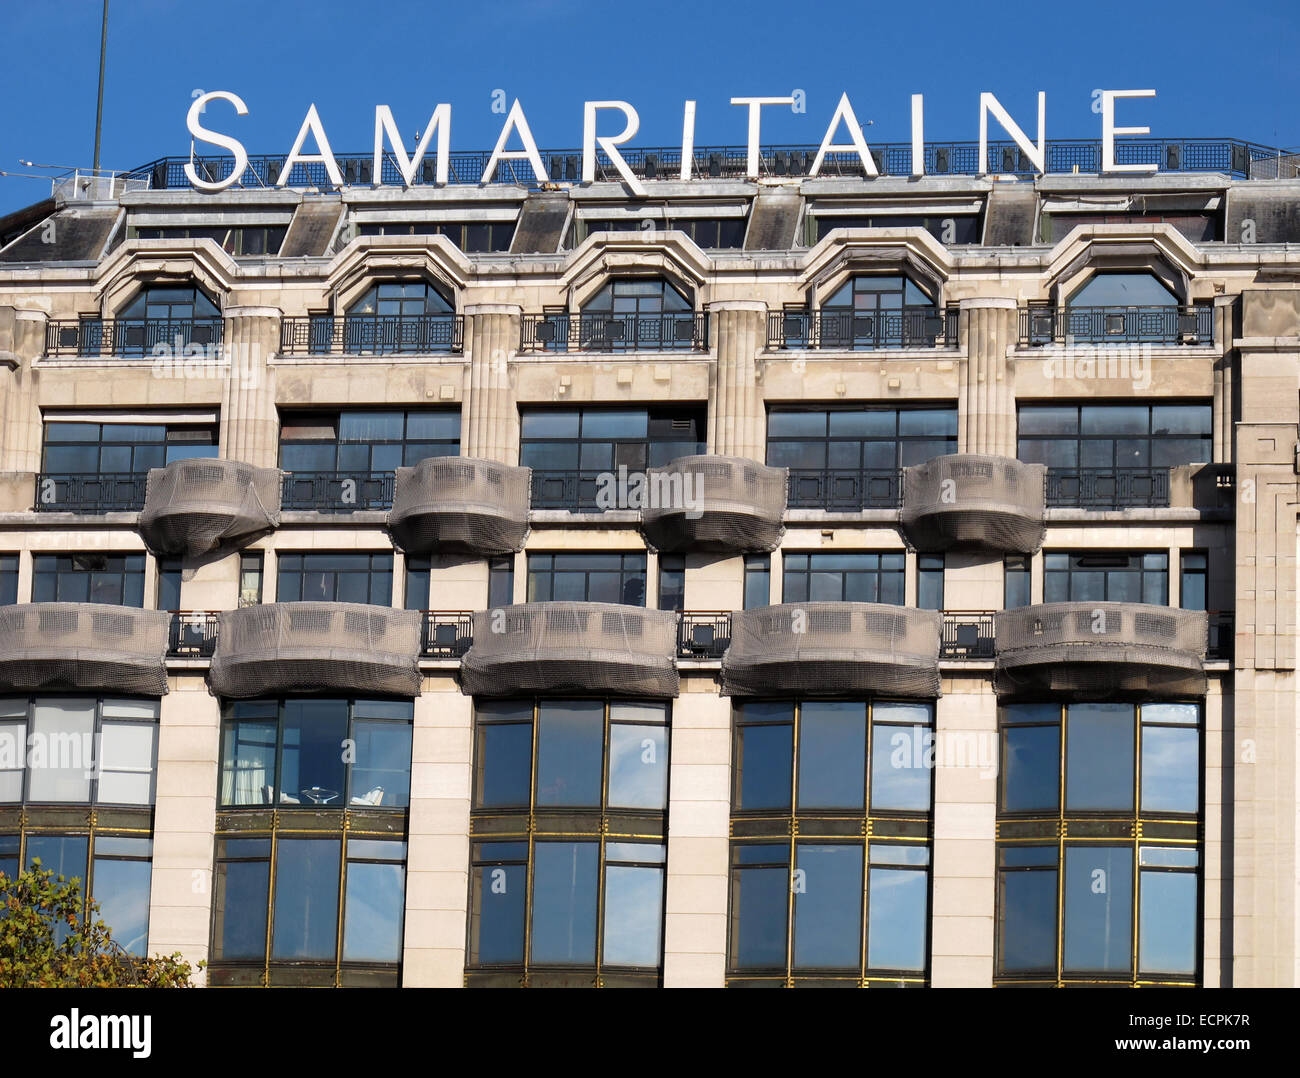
[(779, 582)]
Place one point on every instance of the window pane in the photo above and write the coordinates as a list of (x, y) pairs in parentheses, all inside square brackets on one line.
[(312, 769), (832, 748), (564, 902), (900, 778), (1099, 757), (828, 907), (64, 855), (372, 927), (61, 751), (763, 762), (1098, 909), (1031, 761), (570, 747), (1168, 924), (248, 763), (759, 903), (505, 764), (633, 915), (122, 891), (1170, 768), (897, 918), (381, 773), (498, 918), (127, 752), (241, 888), (638, 766), (1028, 931), (306, 898)]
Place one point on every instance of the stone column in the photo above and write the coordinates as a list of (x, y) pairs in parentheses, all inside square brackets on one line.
[(250, 425), (181, 894), (491, 420), (737, 424), (22, 340), (437, 872), (1263, 749), (965, 813), (987, 398), (699, 819)]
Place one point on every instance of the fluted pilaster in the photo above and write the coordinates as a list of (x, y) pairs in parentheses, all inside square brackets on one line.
[(987, 403), (737, 425), (490, 427), (250, 427)]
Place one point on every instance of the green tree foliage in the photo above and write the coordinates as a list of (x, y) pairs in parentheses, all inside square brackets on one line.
[(47, 942)]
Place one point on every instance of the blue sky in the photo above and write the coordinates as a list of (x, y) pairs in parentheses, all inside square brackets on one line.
[(1220, 69)]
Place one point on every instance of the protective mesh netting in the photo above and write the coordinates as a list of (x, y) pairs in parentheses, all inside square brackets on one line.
[(461, 504), (975, 500), (832, 648), (1096, 649), (572, 647), (304, 647), (195, 506), (83, 646), (714, 503)]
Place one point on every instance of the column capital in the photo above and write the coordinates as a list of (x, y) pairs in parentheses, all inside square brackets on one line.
[(252, 312), (990, 303), (752, 305), (473, 309)]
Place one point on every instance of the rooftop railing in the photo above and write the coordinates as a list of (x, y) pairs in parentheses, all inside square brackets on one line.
[(1233, 157), (378, 335), (1117, 325), (848, 330), (94, 337), (606, 332)]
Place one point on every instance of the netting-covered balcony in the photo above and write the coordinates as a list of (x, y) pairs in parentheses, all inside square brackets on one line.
[(974, 500), (308, 647), (830, 648), (1099, 649), (461, 505), (83, 647), (570, 647), (196, 506), (714, 503)]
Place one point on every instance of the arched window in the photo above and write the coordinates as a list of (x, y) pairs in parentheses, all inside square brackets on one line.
[(632, 314), (167, 316), (1131, 307), (867, 312), (398, 316)]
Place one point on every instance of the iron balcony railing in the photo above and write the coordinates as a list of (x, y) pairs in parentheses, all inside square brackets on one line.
[(842, 328), (447, 634), (193, 634), (90, 337), (1234, 157), (372, 334), (103, 492), (845, 489), (1107, 488), (703, 635), (577, 491), (1221, 636), (337, 492), (967, 634), (1117, 325), (605, 332)]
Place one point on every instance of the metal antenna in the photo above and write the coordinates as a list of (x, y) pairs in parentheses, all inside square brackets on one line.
[(99, 110)]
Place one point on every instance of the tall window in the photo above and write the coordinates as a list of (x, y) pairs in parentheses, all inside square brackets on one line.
[(570, 450), (357, 878), (850, 458), (1106, 577), (344, 461), (878, 312), (250, 578), (1193, 585), (854, 578), (637, 313), (594, 578), (929, 581), (501, 581), (418, 571), (1015, 581), (165, 315), (1069, 882), (169, 584), (314, 752), (672, 581), (335, 578), (8, 579), (394, 316), (758, 580), (830, 909), (574, 793), (115, 579)]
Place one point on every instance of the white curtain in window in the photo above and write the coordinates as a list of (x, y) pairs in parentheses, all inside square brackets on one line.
[(61, 753)]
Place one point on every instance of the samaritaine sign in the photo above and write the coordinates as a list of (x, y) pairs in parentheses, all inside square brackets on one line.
[(516, 126)]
